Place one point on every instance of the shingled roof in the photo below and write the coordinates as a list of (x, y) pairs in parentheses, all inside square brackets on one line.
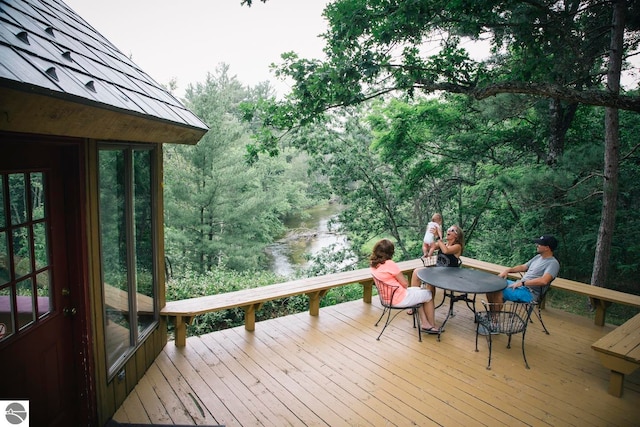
[(59, 76)]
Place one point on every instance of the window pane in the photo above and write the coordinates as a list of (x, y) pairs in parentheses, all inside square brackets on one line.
[(21, 251), (143, 238), (18, 199), (37, 196), (27, 294), (3, 222), (24, 298), (41, 245), (44, 299), (126, 185), (5, 271), (113, 238), (6, 313)]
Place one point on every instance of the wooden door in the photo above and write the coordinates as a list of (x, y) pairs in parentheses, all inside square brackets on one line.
[(41, 354)]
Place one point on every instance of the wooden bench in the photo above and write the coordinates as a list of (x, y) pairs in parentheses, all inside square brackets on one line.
[(619, 351), (252, 299), (601, 298)]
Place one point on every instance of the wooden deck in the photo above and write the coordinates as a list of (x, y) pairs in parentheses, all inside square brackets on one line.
[(329, 370)]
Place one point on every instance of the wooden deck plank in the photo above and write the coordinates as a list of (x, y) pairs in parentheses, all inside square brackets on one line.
[(330, 370), (176, 410), (308, 385), (366, 374), (154, 407), (243, 407), (134, 410), (197, 374), (338, 391), (192, 410), (460, 387), (254, 382), (306, 388)]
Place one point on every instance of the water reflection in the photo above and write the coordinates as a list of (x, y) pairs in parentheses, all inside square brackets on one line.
[(308, 236)]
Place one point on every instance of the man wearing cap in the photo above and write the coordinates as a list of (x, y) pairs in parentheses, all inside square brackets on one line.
[(539, 271)]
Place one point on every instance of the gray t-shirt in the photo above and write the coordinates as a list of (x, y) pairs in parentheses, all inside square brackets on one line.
[(537, 267)]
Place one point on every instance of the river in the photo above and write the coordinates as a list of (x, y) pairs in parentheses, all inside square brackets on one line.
[(306, 237)]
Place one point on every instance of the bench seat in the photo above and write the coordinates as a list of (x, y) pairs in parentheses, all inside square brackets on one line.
[(252, 299), (619, 351)]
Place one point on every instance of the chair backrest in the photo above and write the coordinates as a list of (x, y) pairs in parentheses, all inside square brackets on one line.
[(506, 318), (543, 293), (446, 260), (385, 291)]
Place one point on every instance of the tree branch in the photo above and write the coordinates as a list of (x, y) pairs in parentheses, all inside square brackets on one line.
[(587, 97)]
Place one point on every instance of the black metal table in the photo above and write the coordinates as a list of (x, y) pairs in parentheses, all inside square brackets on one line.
[(464, 281)]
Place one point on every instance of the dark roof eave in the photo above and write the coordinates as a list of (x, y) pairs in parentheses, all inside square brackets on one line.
[(32, 109)]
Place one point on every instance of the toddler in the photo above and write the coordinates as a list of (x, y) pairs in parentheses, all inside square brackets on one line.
[(434, 231)]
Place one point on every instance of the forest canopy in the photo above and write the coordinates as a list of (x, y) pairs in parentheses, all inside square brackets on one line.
[(396, 132), (518, 150)]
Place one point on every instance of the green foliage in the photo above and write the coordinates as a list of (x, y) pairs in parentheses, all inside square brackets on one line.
[(218, 210), (373, 49)]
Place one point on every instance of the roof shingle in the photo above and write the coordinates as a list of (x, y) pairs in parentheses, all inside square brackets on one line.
[(46, 47)]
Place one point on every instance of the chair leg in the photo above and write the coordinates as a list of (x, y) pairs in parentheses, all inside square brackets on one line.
[(386, 323), (524, 356), (416, 323), (383, 313), (539, 314), (390, 319)]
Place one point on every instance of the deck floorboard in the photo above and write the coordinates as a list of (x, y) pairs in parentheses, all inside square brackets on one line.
[(330, 370)]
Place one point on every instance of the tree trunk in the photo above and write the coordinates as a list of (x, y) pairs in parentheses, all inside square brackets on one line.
[(560, 118), (611, 153)]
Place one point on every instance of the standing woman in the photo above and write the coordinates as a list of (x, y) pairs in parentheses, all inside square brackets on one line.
[(386, 270), (450, 253)]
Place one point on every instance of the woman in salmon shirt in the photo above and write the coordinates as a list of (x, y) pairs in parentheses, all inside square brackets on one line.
[(386, 270)]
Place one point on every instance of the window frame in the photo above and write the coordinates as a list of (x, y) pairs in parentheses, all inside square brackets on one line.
[(136, 337)]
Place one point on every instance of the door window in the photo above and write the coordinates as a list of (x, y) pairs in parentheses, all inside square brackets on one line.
[(25, 294)]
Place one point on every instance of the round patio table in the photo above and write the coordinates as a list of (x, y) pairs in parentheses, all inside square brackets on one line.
[(464, 281)]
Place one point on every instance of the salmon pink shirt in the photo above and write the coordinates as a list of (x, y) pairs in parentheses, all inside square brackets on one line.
[(387, 273)]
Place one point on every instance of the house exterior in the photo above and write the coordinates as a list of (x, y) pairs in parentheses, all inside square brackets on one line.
[(81, 220)]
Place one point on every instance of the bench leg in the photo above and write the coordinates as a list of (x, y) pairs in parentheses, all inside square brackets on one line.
[(314, 302), (618, 367), (181, 330), (250, 316), (601, 310), (367, 292), (616, 383)]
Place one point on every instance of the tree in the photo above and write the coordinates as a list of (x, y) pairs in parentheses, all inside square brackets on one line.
[(612, 150), (554, 50), (219, 211)]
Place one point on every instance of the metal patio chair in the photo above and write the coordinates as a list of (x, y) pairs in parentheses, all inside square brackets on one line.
[(539, 305), (386, 292), (508, 318)]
